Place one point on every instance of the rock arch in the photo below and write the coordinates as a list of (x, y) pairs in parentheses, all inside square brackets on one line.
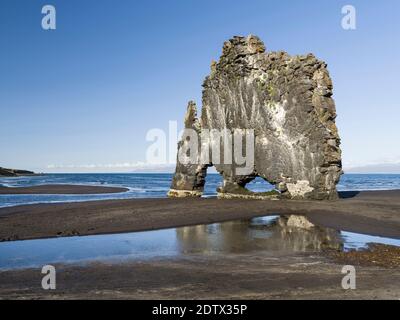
[(287, 102)]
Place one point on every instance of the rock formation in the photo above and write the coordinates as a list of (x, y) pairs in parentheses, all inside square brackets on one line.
[(14, 173), (287, 101)]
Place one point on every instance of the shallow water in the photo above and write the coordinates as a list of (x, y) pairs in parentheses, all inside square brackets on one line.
[(266, 234), (157, 185)]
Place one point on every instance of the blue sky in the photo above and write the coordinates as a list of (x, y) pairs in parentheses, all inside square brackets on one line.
[(88, 92)]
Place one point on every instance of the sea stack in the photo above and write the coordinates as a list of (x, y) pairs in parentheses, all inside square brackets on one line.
[(287, 102)]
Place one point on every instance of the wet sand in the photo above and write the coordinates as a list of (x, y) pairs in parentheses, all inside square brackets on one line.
[(61, 189), (250, 275), (238, 276), (375, 213)]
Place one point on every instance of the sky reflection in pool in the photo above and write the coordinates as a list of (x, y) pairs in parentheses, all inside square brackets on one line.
[(271, 233)]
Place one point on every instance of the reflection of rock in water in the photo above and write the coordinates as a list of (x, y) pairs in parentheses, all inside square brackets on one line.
[(286, 233), (299, 233), (225, 237)]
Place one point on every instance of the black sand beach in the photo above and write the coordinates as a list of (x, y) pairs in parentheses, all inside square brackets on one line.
[(249, 275), (246, 276), (373, 212)]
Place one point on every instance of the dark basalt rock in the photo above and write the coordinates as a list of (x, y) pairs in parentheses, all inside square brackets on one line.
[(14, 172), (287, 100)]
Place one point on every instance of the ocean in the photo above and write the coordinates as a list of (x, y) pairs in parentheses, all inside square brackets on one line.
[(156, 185)]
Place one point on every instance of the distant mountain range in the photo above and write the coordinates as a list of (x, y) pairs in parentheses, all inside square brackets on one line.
[(388, 168), (372, 168), (376, 168), (382, 168)]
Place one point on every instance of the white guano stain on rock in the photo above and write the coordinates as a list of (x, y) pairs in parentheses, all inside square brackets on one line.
[(299, 189)]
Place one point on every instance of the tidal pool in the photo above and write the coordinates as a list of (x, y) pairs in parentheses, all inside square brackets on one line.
[(271, 233)]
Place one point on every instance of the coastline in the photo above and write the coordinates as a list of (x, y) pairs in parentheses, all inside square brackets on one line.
[(61, 189), (248, 275), (370, 212)]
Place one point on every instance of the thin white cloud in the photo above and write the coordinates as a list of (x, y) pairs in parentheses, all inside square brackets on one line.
[(394, 160), (123, 166)]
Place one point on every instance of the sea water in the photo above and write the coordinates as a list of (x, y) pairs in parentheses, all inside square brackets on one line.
[(257, 236), (156, 185)]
